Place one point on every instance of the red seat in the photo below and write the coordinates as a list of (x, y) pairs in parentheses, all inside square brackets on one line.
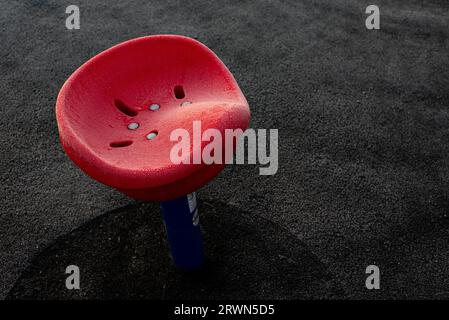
[(99, 105)]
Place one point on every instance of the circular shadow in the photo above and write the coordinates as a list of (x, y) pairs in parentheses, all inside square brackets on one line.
[(123, 255)]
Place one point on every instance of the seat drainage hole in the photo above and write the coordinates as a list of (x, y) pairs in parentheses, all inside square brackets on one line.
[(123, 108), (121, 144), (133, 126), (152, 135), (154, 107), (179, 92)]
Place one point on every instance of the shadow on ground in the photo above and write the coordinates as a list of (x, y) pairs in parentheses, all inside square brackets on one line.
[(123, 254)]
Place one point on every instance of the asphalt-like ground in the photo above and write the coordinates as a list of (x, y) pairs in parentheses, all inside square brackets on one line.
[(363, 153)]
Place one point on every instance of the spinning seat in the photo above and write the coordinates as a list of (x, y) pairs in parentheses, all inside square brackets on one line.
[(116, 112)]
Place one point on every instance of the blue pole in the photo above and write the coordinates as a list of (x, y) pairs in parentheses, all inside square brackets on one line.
[(183, 231)]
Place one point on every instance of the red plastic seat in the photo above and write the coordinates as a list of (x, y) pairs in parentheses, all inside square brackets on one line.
[(116, 88)]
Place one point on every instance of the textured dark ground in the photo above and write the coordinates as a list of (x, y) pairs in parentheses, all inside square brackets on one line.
[(364, 169)]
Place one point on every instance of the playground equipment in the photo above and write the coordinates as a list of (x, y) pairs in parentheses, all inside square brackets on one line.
[(116, 113)]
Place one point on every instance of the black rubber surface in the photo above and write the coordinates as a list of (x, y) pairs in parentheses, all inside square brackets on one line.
[(122, 254), (363, 153)]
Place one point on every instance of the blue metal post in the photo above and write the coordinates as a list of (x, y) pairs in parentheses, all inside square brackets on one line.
[(183, 231)]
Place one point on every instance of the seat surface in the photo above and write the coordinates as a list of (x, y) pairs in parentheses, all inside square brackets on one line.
[(161, 83)]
